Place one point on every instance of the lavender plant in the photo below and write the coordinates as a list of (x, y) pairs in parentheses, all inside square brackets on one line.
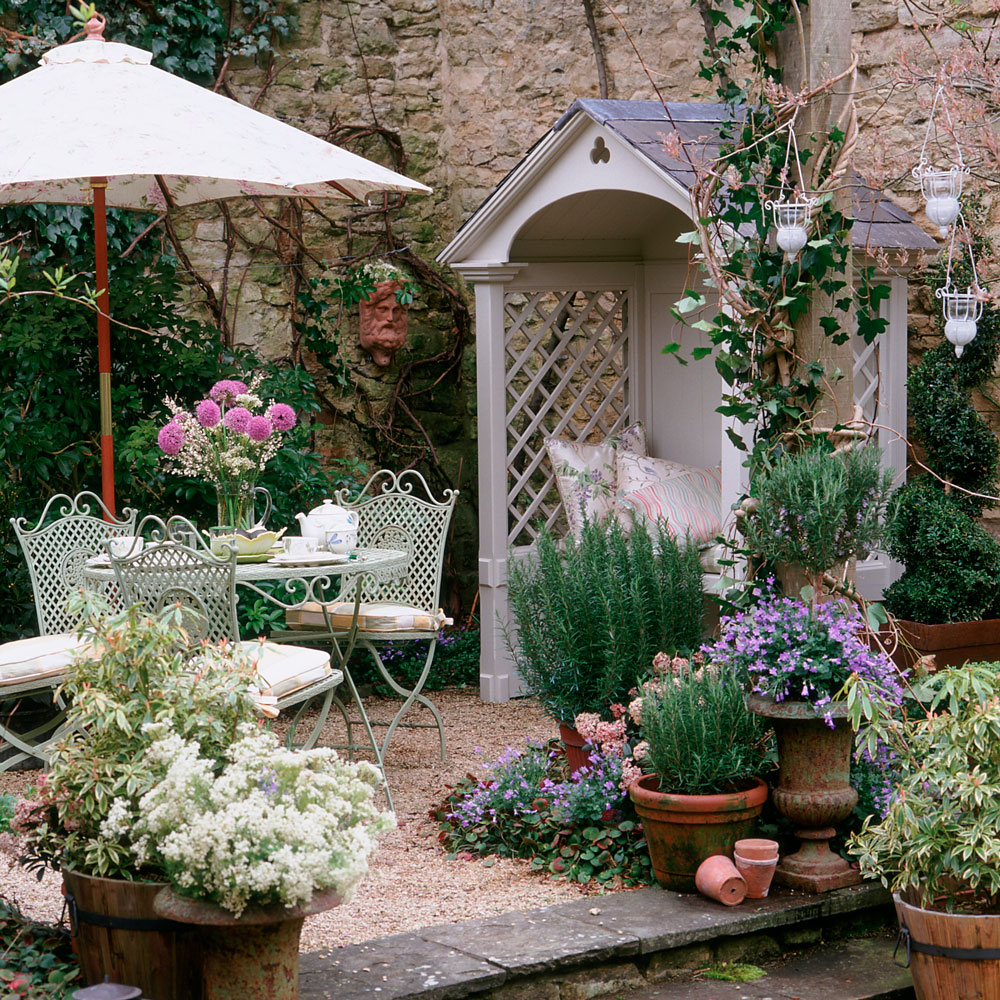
[(788, 649)]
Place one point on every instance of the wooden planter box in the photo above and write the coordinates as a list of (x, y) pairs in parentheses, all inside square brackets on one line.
[(952, 644)]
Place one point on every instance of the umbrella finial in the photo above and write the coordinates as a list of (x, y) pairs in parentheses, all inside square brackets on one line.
[(95, 28)]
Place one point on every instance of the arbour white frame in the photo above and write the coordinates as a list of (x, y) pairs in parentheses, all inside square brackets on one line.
[(532, 236)]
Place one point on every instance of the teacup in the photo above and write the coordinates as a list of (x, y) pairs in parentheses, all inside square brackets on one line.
[(296, 546), (125, 545)]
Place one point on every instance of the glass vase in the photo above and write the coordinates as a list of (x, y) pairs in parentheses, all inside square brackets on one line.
[(235, 506)]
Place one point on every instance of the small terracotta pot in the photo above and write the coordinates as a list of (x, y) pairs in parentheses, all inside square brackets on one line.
[(718, 878), (756, 860), (577, 748)]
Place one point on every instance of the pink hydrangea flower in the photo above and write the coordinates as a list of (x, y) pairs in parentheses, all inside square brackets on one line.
[(282, 416), (259, 428), (586, 724), (171, 438), (238, 419), (208, 413), (226, 390), (635, 710)]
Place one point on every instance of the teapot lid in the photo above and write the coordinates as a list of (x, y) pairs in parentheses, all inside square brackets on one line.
[(326, 509)]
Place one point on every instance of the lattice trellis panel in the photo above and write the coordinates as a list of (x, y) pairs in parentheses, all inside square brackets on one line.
[(867, 381), (567, 375)]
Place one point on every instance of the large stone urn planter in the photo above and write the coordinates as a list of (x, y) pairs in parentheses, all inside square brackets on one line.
[(254, 956), (951, 955), (117, 933), (814, 790), (683, 830)]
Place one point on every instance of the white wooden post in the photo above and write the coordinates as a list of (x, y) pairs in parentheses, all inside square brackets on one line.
[(497, 681)]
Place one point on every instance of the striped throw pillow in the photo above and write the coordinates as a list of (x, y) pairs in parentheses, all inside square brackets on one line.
[(690, 503)]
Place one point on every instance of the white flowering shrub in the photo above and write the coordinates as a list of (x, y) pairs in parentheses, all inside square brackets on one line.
[(268, 826)]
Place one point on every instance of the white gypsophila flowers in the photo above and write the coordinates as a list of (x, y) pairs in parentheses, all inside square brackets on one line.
[(271, 826)]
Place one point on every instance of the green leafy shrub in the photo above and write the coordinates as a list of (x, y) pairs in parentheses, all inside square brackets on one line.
[(525, 807), (700, 736), (819, 508), (590, 614), (952, 565), (940, 839), (36, 961)]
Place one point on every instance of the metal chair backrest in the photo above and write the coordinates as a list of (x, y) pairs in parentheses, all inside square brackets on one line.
[(398, 511), (176, 567), (70, 531)]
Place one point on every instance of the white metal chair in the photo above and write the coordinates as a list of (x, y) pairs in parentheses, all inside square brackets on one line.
[(399, 511), (177, 568), (70, 531)]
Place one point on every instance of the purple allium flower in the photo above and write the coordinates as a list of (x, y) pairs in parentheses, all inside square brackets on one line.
[(208, 413), (181, 417), (282, 416), (238, 419), (259, 428), (226, 390), (171, 438)]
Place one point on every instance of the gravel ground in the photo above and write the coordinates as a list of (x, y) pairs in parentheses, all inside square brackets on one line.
[(411, 883)]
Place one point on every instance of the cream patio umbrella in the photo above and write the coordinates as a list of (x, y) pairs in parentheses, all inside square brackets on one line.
[(97, 124)]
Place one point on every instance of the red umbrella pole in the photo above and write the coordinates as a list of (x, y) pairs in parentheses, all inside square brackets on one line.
[(99, 184)]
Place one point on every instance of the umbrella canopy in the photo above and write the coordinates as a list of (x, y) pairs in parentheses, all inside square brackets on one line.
[(96, 123)]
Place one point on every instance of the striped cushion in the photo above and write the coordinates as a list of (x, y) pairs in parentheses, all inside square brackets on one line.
[(637, 469), (41, 656), (689, 503), (371, 617), (282, 668)]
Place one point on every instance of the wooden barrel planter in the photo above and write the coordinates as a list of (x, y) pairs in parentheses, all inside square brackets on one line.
[(951, 955), (117, 933)]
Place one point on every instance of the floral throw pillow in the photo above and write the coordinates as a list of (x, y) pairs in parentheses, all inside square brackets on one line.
[(637, 469), (690, 503), (586, 474)]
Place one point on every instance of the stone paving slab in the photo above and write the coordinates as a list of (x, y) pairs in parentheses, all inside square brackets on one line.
[(394, 968), (859, 969), (662, 919), (532, 941)]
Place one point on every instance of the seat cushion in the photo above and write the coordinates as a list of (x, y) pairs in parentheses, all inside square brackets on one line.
[(374, 617), (282, 669), (41, 656), (586, 474), (690, 504)]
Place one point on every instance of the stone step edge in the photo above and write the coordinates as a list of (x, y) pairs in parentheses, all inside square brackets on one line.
[(631, 929)]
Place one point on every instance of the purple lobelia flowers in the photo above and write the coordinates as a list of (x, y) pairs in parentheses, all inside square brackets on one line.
[(793, 651)]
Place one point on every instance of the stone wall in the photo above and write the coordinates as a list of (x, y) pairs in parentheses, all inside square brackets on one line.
[(469, 86)]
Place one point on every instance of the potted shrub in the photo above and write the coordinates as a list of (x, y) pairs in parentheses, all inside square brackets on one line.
[(703, 752), (136, 685), (938, 845), (947, 602), (588, 615), (797, 658)]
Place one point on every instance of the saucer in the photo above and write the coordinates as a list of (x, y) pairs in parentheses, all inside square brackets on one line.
[(309, 559)]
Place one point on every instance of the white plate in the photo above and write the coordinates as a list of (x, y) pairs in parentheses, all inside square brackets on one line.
[(309, 559)]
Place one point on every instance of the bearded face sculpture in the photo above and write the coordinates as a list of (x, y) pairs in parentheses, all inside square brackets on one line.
[(384, 323)]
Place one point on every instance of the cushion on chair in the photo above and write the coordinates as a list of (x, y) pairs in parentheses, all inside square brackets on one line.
[(41, 656), (586, 474), (374, 617), (636, 470), (282, 669), (690, 503)]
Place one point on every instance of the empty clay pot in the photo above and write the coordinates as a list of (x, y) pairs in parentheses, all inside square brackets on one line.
[(756, 861), (718, 878)]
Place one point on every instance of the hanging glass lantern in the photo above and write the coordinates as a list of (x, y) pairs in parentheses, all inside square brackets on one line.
[(942, 189), (962, 311), (792, 220)]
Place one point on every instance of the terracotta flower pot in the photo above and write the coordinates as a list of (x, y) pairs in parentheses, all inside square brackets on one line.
[(682, 830), (718, 879), (814, 790), (577, 749), (254, 956), (756, 861)]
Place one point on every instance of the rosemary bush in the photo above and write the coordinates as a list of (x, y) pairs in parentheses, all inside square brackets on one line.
[(817, 508), (702, 738), (589, 614)]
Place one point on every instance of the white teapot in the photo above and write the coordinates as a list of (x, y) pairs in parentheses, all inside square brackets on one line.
[(332, 526)]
